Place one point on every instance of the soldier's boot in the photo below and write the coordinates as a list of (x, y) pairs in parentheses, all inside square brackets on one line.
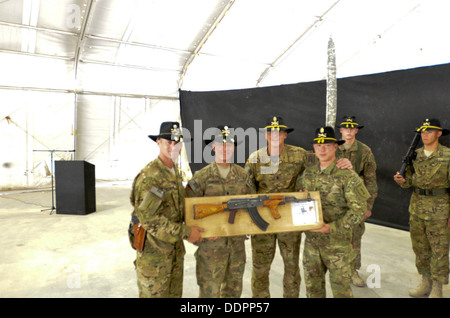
[(357, 281), (423, 289), (436, 290)]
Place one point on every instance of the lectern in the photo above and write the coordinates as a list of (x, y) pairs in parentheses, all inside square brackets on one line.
[(75, 187)]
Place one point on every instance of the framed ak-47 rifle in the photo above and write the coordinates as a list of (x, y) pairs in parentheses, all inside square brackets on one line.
[(255, 213)]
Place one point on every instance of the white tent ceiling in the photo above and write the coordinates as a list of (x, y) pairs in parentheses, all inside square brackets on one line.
[(110, 69), (154, 47)]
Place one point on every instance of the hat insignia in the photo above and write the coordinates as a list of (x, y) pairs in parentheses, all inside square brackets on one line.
[(349, 123), (322, 133), (225, 134), (275, 123), (428, 124), (175, 132), (226, 131)]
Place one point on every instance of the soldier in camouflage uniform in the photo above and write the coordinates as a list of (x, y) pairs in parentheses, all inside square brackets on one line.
[(274, 169), (157, 196), (220, 261), (344, 202), (429, 209), (364, 164)]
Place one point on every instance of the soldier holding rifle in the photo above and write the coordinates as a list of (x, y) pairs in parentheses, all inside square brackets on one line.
[(221, 261), (274, 169), (429, 176)]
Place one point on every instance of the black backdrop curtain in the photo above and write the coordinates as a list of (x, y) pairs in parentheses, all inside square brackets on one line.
[(390, 105)]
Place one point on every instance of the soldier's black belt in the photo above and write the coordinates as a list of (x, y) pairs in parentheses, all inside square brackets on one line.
[(431, 191)]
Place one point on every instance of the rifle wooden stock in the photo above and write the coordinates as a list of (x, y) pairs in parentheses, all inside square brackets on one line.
[(204, 210), (273, 206), (273, 203)]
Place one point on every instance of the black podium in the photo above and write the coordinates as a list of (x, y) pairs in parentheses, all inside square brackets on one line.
[(75, 187)]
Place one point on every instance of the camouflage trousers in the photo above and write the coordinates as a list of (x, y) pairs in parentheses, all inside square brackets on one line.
[(220, 267), (358, 232), (430, 244), (263, 253), (160, 271), (323, 253)]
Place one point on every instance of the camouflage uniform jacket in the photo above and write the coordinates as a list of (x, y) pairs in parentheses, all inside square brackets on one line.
[(158, 198), (364, 164), (273, 177), (208, 182), (342, 194), (431, 172)]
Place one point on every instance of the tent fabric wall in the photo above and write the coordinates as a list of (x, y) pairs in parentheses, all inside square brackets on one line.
[(390, 105), (109, 131), (113, 135), (32, 121)]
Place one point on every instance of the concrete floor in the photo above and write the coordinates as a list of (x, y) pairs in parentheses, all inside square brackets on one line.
[(47, 255)]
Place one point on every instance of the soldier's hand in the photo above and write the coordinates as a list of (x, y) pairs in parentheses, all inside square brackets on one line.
[(399, 178), (195, 234), (368, 214), (324, 229), (344, 163)]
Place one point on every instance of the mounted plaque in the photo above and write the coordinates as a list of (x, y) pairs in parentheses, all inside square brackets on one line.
[(255, 213)]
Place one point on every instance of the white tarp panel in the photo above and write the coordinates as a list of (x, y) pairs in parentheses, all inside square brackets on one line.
[(371, 37), (34, 71), (288, 41), (131, 81)]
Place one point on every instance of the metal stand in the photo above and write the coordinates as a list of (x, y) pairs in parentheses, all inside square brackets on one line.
[(51, 173)]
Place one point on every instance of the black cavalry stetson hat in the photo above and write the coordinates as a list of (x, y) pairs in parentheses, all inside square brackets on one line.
[(432, 124), (350, 122), (225, 134), (325, 135), (169, 130), (276, 123)]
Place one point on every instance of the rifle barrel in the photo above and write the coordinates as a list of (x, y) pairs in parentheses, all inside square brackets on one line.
[(410, 154)]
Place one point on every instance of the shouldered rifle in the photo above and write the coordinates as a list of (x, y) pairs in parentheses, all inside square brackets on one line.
[(410, 155), (248, 204)]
